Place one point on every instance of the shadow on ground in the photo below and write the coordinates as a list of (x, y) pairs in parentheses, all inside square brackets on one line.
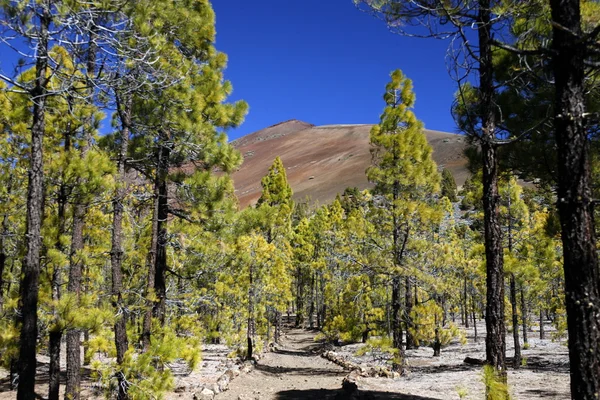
[(341, 395)]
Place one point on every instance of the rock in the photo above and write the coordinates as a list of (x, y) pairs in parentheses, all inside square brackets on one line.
[(223, 381), (205, 394)]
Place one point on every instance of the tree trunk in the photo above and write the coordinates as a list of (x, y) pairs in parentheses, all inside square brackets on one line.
[(474, 315), (465, 307), (162, 172), (116, 253), (250, 330), (299, 300), (524, 315), (3, 234), (396, 322), (77, 244), (147, 324), (575, 205), (30, 271), (55, 336), (494, 316), (408, 305), (542, 334), (515, 322)]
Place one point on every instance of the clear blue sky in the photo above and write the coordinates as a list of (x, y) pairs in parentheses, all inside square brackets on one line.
[(320, 61), (324, 62)]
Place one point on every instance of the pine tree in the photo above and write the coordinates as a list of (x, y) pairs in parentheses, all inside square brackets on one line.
[(406, 176)]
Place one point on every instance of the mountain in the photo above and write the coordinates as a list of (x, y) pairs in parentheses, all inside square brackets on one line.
[(322, 161)]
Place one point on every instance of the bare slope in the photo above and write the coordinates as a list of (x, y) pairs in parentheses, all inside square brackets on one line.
[(322, 161)]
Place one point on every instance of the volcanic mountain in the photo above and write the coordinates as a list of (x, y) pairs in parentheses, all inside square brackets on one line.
[(322, 161)]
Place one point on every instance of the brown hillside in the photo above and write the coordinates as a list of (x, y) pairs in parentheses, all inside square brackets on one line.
[(322, 161)]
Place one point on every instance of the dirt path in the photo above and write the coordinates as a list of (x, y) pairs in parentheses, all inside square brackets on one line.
[(295, 371)]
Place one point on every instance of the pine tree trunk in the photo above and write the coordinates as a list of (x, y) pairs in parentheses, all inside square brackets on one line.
[(30, 271), (515, 322), (162, 172), (147, 324), (396, 322), (75, 277), (116, 253), (465, 306), (250, 331), (542, 333), (524, 315), (3, 234), (575, 205), (494, 316), (474, 315), (409, 302), (299, 299), (55, 336), (73, 383)]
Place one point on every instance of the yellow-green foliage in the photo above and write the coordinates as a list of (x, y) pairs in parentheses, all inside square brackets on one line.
[(382, 344), (427, 317), (496, 387)]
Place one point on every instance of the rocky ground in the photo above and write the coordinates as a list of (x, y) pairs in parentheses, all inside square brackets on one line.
[(296, 369)]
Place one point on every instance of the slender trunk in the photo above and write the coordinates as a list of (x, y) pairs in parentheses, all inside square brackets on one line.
[(147, 324), (408, 305), (474, 315), (437, 344), (515, 321), (311, 312), (56, 332), (396, 323), (494, 316), (162, 172), (30, 270), (542, 333), (465, 306), (524, 315), (299, 299), (575, 203), (72, 390), (3, 234), (116, 253), (250, 331)]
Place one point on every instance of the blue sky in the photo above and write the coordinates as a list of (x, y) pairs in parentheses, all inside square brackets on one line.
[(324, 62), (320, 61)]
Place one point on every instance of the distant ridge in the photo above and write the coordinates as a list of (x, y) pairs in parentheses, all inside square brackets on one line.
[(322, 161)]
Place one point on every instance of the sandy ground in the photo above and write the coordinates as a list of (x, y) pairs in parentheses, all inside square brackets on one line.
[(295, 370)]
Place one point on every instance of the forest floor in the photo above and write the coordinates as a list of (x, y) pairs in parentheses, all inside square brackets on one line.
[(296, 370)]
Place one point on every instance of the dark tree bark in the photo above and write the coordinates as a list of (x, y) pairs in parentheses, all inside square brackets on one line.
[(575, 205), (542, 333), (474, 316), (55, 335), (300, 299), (465, 304), (250, 330), (77, 244), (408, 305), (494, 316), (162, 172), (116, 253), (3, 251), (515, 322), (147, 324), (524, 315), (30, 270)]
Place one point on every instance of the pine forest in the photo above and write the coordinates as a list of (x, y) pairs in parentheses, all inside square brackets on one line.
[(126, 258)]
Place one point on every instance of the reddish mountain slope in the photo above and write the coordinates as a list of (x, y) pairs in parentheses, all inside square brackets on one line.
[(322, 161)]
